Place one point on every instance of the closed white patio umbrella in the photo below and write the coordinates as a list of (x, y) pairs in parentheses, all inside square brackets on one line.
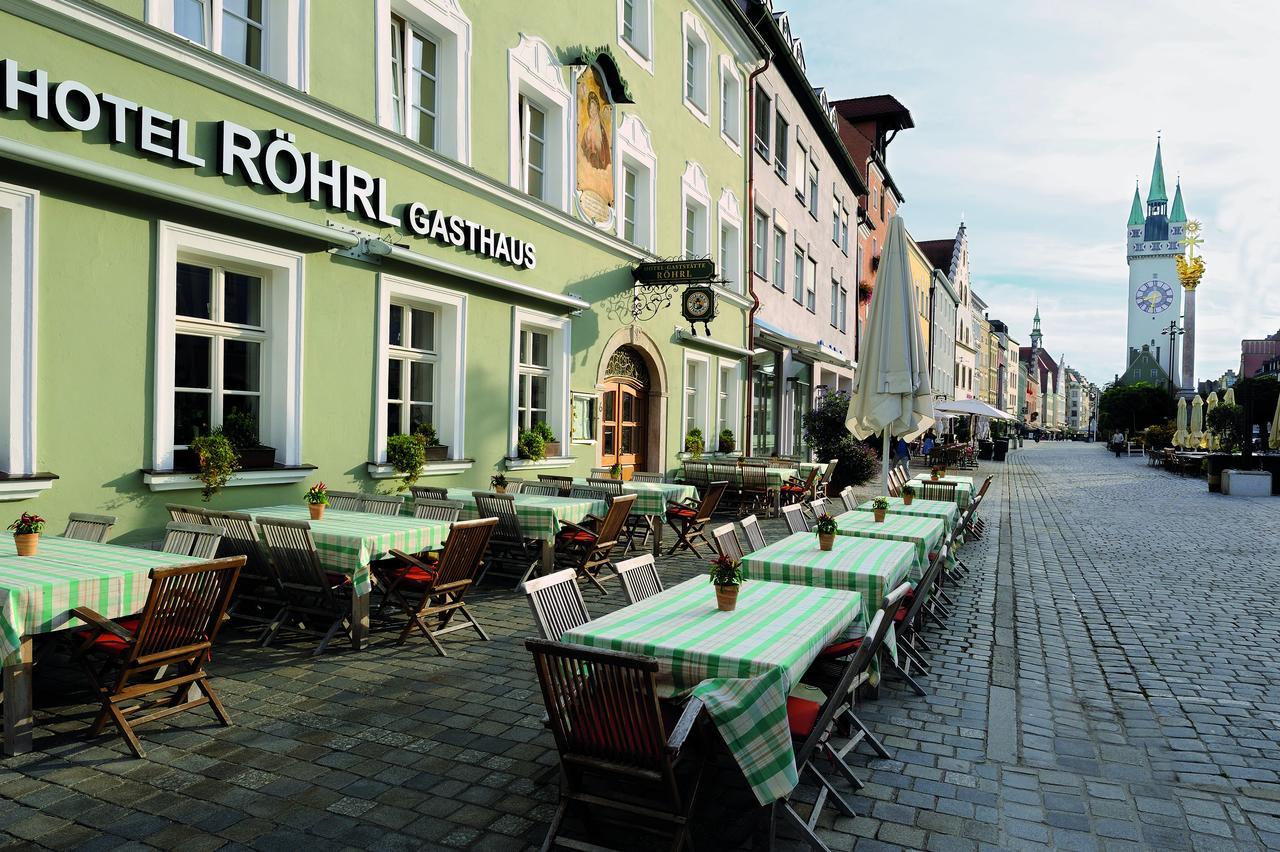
[(1197, 422), (1210, 441), (1180, 436), (1273, 440), (892, 394)]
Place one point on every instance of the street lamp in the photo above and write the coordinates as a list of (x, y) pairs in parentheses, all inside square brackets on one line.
[(1174, 332)]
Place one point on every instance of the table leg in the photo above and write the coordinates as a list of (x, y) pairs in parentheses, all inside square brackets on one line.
[(546, 555), (359, 620), (18, 722), (655, 524), (777, 502)]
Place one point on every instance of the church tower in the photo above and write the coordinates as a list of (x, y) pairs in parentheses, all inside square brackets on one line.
[(1155, 295)]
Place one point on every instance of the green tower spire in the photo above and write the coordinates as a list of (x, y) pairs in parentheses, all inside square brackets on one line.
[(1158, 192), (1178, 213), (1135, 212), (1036, 336)]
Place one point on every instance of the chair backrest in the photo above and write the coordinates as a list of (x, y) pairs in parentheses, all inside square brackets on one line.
[(937, 491), (437, 510), (794, 516), (541, 489), (556, 602), (818, 506), (86, 527), (502, 507), (755, 478), (345, 501), (602, 707), (849, 498), (464, 550), (382, 505), (600, 471), (614, 520), (753, 462), (727, 541), (588, 492), (697, 474), (645, 476), (185, 514), (293, 554), (729, 472), (185, 607), (924, 588), (611, 487), (828, 471), (755, 535), (710, 501), (241, 537), (198, 540), (639, 578), (564, 483), (514, 486), (429, 492)]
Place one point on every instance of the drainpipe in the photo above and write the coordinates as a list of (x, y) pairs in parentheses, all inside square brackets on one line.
[(749, 402)]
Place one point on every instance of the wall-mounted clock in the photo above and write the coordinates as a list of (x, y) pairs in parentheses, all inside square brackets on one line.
[(1153, 296), (698, 305)]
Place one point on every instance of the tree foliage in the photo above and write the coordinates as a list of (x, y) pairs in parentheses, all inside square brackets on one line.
[(1132, 408), (826, 434)]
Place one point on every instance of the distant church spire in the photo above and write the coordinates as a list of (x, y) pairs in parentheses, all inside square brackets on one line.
[(1036, 336), (1178, 213), (1135, 212), (1157, 192)]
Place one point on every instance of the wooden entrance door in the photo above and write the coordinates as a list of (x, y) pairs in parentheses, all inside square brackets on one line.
[(624, 412)]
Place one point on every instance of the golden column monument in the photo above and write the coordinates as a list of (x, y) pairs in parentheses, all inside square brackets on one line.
[(1190, 271)]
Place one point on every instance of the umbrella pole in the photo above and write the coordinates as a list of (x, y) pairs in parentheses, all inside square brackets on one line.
[(884, 465)]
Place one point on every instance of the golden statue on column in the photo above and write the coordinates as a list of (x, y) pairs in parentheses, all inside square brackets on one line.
[(1190, 271)]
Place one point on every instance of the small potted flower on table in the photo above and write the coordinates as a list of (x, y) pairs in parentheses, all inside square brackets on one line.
[(936, 472), (499, 483), (316, 498), (879, 508), (908, 494), (26, 533), (826, 526), (726, 575), (615, 472)]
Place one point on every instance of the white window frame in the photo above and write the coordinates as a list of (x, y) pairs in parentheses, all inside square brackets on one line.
[(285, 35), (635, 151), (534, 73), (801, 174), (762, 146), (811, 286), (280, 411), (836, 206), (800, 261), (730, 397), (451, 344), (699, 394), (844, 308), (731, 111), (781, 251), (781, 146), (761, 235), (815, 188), (444, 22), (695, 193), (559, 332), (641, 48), (695, 39), (835, 303), (729, 215), (19, 279)]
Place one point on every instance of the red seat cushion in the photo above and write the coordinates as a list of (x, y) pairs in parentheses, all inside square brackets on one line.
[(841, 649), (933, 554), (406, 573), (795, 489), (576, 535), (109, 643), (681, 512), (802, 715)]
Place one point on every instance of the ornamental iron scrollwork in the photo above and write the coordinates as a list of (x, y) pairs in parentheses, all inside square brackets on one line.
[(625, 363)]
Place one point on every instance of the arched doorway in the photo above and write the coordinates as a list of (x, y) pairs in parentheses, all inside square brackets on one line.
[(624, 411)]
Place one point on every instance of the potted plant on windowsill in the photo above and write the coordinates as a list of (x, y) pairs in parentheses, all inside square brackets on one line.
[(241, 429), (26, 533), (216, 460), (530, 445), (406, 454), (550, 446), (879, 508), (498, 483), (316, 498), (726, 575), (908, 494), (826, 526), (694, 444), (727, 442), (432, 449)]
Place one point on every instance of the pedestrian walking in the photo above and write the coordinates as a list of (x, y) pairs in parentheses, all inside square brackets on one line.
[(1117, 442)]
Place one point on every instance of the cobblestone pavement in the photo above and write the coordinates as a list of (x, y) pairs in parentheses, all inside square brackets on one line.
[(1108, 680)]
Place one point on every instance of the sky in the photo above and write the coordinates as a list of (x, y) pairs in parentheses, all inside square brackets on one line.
[(1032, 120)]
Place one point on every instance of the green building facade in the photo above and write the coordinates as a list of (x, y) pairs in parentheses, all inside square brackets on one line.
[(348, 219)]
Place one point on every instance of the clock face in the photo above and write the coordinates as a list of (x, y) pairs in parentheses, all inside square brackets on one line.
[(1153, 296), (697, 304)]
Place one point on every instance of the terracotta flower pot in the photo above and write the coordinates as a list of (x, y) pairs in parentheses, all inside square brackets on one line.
[(934, 477), (826, 540), (499, 489), (907, 498), (316, 510), (879, 515), (726, 598), (26, 543)]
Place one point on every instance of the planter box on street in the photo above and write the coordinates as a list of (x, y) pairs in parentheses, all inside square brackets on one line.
[(1246, 483)]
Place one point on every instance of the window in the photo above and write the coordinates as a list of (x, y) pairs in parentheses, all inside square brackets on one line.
[(696, 67), (797, 289), (781, 131), (266, 35), (813, 189), (780, 259), (411, 368), (696, 391), (414, 82), (635, 26), (835, 303), (582, 424), (760, 245), (844, 308), (540, 104), (730, 104), (533, 137), (764, 115), (19, 279), (635, 153), (844, 230), (835, 219), (697, 200), (729, 215), (423, 80), (727, 398), (540, 373), (811, 290), (228, 339), (629, 180), (533, 374), (802, 157), (875, 199)]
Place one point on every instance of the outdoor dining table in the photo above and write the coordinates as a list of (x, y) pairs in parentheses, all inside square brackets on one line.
[(964, 485), (37, 594), (651, 502), (944, 510), (540, 516), (741, 664), (923, 534), (348, 542)]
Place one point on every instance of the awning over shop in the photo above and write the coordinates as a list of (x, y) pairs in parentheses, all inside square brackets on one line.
[(684, 338), (806, 349)]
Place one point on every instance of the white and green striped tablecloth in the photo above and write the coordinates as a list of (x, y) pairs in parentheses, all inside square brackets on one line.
[(923, 534), (652, 497), (742, 664), (38, 592), (943, 510), (539, 515), (964, 486), (348, 541)]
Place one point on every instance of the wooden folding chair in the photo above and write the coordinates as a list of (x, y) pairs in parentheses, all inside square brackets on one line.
[(510, 550), (611, 487), (639, 578), (197, 540), (563, 483), (514, 486), (345, 501), (377, 504), (755, 535), (643, 476), (587, 547), (820, 487), (310, 592), (258, 597), (84, 527), (909, 623), (541, 489), (601, 471), (185, 514), (727, 543), (795, 490), (604, 711), (441, 588), (588, 492), (557, 603), (754, 494), (165, 649), (794, 516), (437, 510), (428, 492), (689, 520), (944, 491), (815, 508)]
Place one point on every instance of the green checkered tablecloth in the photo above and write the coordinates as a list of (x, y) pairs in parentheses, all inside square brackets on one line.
[(348, 541), (943, 510), (923, 534), (38, 592), (652, 497), (539, 515), (742, 664), (964, 486)]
